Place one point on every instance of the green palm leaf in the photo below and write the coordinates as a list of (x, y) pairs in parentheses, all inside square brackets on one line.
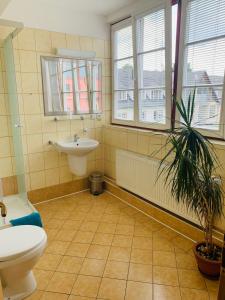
[(189, 174)]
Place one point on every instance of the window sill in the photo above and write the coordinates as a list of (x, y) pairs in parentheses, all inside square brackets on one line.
[(144, 131)]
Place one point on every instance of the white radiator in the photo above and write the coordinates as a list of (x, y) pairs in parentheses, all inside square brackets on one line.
[(138, 174)]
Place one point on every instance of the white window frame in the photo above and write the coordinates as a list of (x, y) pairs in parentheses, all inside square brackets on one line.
[(114, 28), (206, 132), (132, 21), (168, 67), (90, 84)]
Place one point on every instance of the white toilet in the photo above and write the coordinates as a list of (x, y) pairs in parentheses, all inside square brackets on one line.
[(20, 249)]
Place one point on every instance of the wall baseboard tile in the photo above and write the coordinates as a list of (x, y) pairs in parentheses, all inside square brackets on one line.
[(1, 291), (187, 229), (58, 190), (9, 185)]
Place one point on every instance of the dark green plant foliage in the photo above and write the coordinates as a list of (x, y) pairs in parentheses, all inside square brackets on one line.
[(190, 173)]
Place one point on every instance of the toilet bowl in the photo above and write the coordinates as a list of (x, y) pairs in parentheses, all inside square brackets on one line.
[(20, 249)]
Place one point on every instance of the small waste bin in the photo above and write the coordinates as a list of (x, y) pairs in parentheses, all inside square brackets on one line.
[(96, 183)]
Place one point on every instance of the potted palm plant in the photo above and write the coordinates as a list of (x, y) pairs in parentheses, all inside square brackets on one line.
[(190, 175)]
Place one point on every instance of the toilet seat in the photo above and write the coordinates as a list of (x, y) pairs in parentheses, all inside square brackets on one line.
[(19, 240)]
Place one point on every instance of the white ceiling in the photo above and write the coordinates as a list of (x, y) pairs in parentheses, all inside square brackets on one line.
[(98, 7), (82, 17)]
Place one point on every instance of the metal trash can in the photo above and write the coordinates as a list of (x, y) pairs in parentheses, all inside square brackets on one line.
[(96, 183)]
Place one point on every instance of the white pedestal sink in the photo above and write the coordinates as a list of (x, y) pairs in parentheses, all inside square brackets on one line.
[(77, 152)]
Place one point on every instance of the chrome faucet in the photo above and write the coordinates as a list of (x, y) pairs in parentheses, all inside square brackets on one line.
[(75, 138), (3, 209)]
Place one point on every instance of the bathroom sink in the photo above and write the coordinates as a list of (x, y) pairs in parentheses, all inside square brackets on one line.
[(77, 151), (81, 147)]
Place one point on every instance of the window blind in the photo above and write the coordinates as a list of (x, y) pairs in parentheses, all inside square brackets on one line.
[(204, 60), (123, 73), (151, 67)]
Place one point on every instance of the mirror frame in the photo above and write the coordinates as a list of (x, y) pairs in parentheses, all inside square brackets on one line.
[(89, 90)]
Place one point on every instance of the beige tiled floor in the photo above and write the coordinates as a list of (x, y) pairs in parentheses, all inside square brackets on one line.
[(100, 248)]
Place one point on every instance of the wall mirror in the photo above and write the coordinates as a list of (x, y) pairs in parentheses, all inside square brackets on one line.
[(71, 86)]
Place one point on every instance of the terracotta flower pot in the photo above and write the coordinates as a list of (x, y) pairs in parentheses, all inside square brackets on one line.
[(206, 266)]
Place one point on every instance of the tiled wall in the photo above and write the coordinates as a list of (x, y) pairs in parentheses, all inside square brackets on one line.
[(6, 153), (144, 142), (139, 141), (44, 166), (147, 143)]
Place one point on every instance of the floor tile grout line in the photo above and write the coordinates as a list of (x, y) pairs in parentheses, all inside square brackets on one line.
[(129, 264), (78, 229), (107, 259), (152, 283), (38, 268), (161, 284), (53, 273), (104, 269), (117, 234), (151, 217), (178, 278), (83, 263), (92, 242), (186, 269)]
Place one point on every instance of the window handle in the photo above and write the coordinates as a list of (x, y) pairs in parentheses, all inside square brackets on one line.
[(133, 76)]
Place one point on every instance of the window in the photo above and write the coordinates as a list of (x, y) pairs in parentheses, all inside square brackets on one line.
[(96, 85), (204, 61), (80, 86), (158, 114), (212, 111), (123, 73), (71, 86), (151, 64), (141, 77), (179, 47)]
